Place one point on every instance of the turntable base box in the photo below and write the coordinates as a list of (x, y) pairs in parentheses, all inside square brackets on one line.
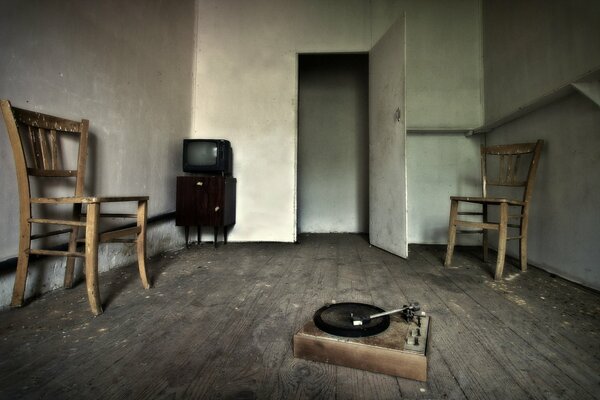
[(393, 352)]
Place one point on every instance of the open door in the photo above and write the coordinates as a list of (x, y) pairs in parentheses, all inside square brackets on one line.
[(387, 142)]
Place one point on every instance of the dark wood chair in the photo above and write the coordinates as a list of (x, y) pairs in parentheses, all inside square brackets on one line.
[(40, 143), (515, 166)]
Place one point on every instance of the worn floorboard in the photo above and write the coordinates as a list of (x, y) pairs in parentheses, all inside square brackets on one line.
[(219, 324)]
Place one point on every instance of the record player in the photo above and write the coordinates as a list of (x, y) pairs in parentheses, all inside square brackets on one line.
[(366, 337)]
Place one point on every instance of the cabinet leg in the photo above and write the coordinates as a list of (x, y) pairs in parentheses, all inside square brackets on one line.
[(199, 232), (216, 233), (225, 234), (187, 236)]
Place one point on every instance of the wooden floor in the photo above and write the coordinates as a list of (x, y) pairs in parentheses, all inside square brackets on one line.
[(219, 324)]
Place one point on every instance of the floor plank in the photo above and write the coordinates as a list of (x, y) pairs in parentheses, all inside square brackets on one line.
[(219, 323), (524, 355)]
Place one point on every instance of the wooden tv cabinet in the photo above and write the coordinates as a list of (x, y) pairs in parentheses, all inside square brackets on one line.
[(205, 201)]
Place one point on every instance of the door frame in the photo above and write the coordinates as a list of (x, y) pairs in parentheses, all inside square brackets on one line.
[(297, 122)]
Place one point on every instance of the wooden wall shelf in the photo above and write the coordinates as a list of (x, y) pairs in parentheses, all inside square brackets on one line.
[(587, 84), (439, 130)]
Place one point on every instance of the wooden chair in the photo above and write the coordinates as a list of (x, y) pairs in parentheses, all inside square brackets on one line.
[(511, 174), (39, 154)]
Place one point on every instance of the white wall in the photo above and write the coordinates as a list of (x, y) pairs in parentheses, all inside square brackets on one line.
[(125, 66), (440, 165), (532, 47), (246, 85), (246, 91), (333, 143)]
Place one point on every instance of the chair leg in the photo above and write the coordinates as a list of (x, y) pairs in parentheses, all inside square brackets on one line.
[(485, 235), (22, 265), (70, 267), (451, 232), (502, 231), (523, 241), (142, 217), (91, 258)]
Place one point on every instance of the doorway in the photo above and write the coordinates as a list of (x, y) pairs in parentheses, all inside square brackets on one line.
[(333, 143)]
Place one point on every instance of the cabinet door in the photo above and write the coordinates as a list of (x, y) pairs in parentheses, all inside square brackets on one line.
[(229, 201), (192, 200), (212, 214), (200, 201)]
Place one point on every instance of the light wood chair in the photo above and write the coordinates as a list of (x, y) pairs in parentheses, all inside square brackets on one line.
[(516, 166), (39, 155)]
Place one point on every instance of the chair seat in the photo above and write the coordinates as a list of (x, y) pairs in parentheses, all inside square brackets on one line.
[(487, 200)]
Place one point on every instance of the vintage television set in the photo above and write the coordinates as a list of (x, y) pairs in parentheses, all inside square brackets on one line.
[(211, 156)]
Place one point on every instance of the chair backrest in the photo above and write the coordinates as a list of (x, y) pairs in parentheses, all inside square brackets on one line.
[(515, 166), (36, 143)]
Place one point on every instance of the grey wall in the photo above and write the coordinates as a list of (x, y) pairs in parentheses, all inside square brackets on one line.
[(125, 66), (246, 86), (531, 47), (443, 65), (333, 143)]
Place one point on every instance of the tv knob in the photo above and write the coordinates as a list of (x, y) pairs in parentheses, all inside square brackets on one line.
[(199, 183)]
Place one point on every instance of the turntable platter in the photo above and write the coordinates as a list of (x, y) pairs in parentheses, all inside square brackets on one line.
[(337, 319)]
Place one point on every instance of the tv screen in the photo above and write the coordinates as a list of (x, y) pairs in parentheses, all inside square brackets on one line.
[(207, 156), (202, 153)]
